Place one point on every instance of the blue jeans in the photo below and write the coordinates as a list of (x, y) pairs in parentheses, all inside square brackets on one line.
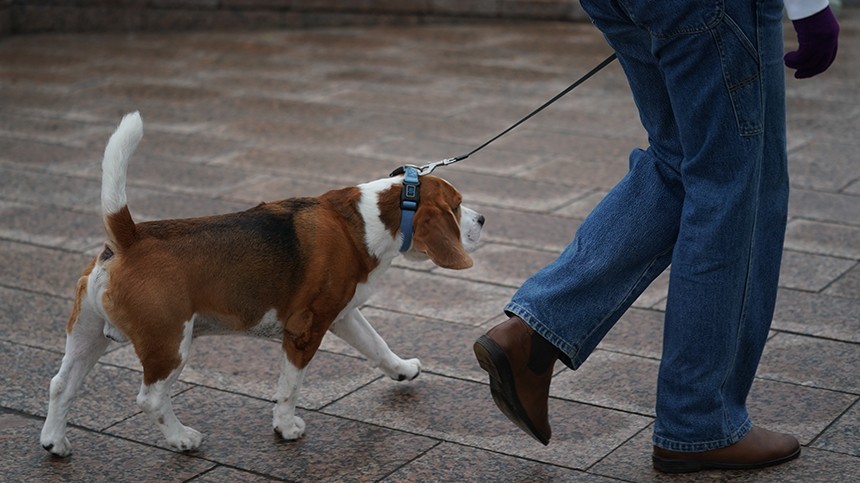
[(709, 195)]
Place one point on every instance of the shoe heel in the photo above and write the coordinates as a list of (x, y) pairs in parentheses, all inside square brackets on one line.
[(675, 466)]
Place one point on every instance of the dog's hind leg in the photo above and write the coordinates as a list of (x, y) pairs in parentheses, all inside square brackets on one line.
[(284, 419), (161, 368), (354, 328), (85, 343)]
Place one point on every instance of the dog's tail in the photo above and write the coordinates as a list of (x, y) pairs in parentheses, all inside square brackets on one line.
[(121, 232)]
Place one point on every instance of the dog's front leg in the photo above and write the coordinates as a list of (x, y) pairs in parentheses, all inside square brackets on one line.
[(357, 332), (284, 421)]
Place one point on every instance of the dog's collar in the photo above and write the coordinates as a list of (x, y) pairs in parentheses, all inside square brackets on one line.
[(409, 198)]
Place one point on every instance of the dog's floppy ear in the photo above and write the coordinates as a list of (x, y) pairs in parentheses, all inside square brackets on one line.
[(437, 234)]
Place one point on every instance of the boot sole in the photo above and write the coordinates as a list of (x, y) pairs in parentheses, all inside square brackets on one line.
[(493, 360), (673, 466)]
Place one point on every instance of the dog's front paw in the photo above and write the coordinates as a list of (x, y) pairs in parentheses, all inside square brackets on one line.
[(404, 370), (290, 430), (185, 439), (60, 447)]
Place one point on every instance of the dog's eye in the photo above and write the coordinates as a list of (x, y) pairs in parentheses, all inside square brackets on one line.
[(457, 210)]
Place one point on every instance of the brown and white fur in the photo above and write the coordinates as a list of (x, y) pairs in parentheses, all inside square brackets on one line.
[(291, 269)]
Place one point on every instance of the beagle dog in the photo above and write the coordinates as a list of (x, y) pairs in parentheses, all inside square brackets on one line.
[(290, 269)]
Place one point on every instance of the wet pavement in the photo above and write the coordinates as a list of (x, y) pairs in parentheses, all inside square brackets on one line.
[(232, 119)]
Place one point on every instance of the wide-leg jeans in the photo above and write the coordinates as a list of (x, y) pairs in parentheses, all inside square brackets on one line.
[(709, 196)]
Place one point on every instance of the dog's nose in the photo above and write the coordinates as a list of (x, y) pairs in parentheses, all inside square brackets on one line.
[(481, 220)]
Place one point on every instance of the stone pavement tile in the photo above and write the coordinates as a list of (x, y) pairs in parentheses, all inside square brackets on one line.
[(611, 380), (842, 436), (826, 207), (848, 285), (596, 161), (35, 320), (632, 462), (106, 397), (176, 146), (273, 188), (811, 273), (412, 149), (812, 362), (506, 265), (629, 384), (293, 134), (823, 165), (428, 102), (49, 189), (238, 432), (530, 230), (331, 166), (439, 297), (443, 348), (251, 366), (638, 332), (804, 412), (224, 474), (169, 174), (817, 315), (39, 269), (823, 238), (451, 462), (95, 457), (518, 194), (42, 129), (463, 412), (51, 226), (38, 155)]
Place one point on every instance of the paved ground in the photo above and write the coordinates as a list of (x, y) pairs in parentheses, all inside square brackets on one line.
[(235, 118)]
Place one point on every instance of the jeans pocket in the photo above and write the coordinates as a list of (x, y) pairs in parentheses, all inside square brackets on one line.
[(669, 18), (742, 73)]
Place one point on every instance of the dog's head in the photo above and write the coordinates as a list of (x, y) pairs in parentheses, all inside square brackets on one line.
[(444, 230)]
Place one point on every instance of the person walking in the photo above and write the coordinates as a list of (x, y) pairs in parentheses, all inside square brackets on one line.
[(708, 195)]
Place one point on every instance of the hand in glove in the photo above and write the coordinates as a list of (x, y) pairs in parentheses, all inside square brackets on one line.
[(817, 37)]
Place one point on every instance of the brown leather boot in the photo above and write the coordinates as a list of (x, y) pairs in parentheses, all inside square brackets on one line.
[(758, 449), (519, 362)]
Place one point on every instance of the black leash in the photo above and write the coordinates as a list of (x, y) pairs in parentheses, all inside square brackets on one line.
[(428, 168)]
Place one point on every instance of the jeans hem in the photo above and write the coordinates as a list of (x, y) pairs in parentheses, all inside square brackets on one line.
[(568, 352), (698, 447)]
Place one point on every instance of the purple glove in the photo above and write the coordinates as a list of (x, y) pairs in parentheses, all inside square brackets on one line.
[(817, 38)]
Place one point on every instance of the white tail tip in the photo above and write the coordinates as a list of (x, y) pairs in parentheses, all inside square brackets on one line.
[(119, 148)]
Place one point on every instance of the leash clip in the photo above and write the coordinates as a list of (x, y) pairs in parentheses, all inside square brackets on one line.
[(424, 170)]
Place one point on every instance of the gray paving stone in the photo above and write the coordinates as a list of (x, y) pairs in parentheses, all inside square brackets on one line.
[(817, 362), (33, 319), (823, 165), (44, 270), (812, 273), (464, 413), (451, 462), (817, 315), (825, 207), (50, 226), (96, 457), (439, 297), (238, 432), (842, 436), (847, 285), (823, 238)]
